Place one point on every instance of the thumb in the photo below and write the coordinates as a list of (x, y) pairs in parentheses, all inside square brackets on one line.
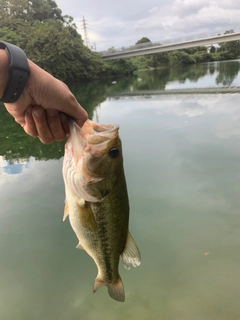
[(79, 114)]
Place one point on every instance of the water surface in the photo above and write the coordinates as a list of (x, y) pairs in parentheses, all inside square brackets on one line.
[(182, 164)]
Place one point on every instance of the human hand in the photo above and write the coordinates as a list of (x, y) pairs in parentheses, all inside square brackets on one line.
[(43, 107)]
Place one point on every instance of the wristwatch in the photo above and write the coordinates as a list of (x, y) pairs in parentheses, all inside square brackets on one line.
[(18, 72)]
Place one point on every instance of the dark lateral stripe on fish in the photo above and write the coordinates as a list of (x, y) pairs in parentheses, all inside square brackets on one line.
[(106, 250)]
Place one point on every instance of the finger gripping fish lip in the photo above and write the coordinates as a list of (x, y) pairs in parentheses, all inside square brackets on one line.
[(93, 129)]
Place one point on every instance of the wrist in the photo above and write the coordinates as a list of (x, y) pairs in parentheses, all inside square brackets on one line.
[(4, 65), (18, 72), (38, 82)]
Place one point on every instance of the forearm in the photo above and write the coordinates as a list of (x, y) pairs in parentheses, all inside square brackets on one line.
[(4, 65)]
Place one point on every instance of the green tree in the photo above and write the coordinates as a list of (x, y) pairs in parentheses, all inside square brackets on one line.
[(143, 40), (28, 11), (231, 48), (179, 57), (60, 50), (120, 66), (202, 57), (157, 59), (112, 49), (212, 49), (10, 36), (195, 50), (49, 39)]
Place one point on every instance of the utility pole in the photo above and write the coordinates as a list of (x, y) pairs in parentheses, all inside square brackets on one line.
[(86, 40)]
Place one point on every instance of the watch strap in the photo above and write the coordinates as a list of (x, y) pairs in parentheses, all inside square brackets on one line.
[(18, 72)]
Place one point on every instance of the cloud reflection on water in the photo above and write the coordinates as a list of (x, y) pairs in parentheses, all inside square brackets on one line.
[(187, 106)]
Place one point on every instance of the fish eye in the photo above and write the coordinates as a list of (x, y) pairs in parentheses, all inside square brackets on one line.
[(114, 153)]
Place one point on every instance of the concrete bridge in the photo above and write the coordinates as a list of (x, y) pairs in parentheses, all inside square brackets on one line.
[(168, 45)]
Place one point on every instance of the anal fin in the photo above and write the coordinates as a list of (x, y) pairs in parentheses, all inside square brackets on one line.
[(97, 284)]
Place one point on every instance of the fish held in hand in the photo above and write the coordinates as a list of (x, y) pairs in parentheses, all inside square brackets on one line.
[(97, 201)]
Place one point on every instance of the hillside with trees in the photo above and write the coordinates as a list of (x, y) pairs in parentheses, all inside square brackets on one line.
[(51, 40), (48, 38)]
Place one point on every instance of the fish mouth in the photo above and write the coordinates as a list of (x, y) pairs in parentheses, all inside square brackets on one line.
[(97, 133), (93, 133)]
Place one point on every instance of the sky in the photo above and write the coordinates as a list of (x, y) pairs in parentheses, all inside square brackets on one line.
[(122, 23)]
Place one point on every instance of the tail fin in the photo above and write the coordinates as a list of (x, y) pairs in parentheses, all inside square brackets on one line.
[(115, 289)]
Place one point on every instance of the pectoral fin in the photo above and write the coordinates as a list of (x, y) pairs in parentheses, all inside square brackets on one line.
[(66, 211), (131, 254)]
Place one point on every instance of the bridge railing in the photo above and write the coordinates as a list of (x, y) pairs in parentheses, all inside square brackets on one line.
[(168, 41)]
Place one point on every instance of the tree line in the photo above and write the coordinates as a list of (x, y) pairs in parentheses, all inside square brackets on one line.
[(223, 51), (51, 40)]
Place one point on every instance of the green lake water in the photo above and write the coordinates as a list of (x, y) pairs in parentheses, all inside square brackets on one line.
[(182, 165)]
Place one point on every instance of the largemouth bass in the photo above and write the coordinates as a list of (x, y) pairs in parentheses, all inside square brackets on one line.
[(97, 201)]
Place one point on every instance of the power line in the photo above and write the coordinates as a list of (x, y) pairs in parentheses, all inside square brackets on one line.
[(106, 33), (97, 29)]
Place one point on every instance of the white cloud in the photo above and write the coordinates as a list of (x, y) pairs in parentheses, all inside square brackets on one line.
[(146, 25), (153, 9), (185, 8), (124, 23)]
